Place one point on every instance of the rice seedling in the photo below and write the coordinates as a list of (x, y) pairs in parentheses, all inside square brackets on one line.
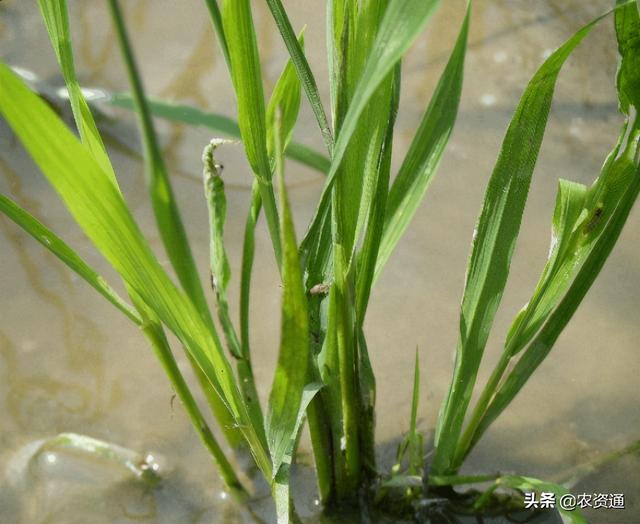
[(323, 375)]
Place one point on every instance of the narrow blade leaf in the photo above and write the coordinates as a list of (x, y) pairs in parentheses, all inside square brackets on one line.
[(59, 248), (163, 200), (285, 102), (247, 80), (291, 371), (302, 68), (186, 114), (56, 19), (422, 160)]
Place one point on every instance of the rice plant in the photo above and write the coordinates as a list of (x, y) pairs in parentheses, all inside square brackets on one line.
[(323, 375)]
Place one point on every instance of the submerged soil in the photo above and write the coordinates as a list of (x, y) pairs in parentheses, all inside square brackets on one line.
[(68, 362)]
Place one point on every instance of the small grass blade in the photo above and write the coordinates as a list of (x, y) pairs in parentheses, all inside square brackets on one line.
[(574, 232), (576, 474), (247, 80), (308, 81), (347, 375), (494, 241), (422, 160), (166, 212), (627, 25), (370, 251), (402, 23), (412, 446), (555, 278), (363, 173), (248, 254), (152, 329), (216, 19), (285, 511), (365, 264), (185, 114), (285, 102), (163, 200), (56, 19), (291, 371), (557, 273), (59, 248)]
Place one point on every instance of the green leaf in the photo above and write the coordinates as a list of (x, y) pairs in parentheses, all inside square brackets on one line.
[(238, 26), (98, 207), (56, 19), (422, 160), (402, 23), (302, 68), (163, 200), (412, 446), (152, 329), (247, 81), (59, 248), (460, 480), (346, 373), (364, 172), (627, 24), (284, 104), (193, 116), (564, 256), (580, 213), (167, 215), (494, 241), (248, 255), (291, 371), (216, 19), (558, 270), (416, 455), (578, 222), (285, 100), (281, 488), (368, 255)]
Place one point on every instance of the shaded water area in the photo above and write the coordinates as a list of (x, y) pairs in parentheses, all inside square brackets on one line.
[(69, 362)]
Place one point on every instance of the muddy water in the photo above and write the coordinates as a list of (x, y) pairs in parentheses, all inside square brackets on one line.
[(68, 362)]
